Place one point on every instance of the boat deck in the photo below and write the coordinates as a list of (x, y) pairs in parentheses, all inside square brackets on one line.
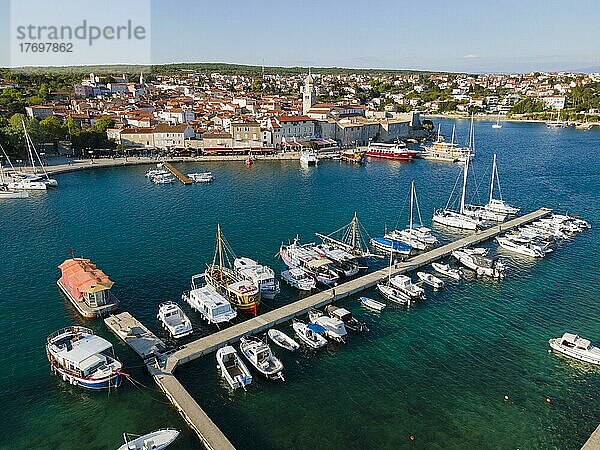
[(136, 335), (180, 176), (89, 312)]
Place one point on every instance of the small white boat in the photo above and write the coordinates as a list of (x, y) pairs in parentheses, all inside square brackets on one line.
[(350, 322), (446, 270), (393, 294), (431, 280), (372, 304), (174, 320), (404, 284), (259, 354), (526, 249), (5, 192), (201, 177), (576, 347), (311, 334), (232, 368), (334, 327), (156, 440), (162, 179), (204, 298), (308, 158), (156, 172), (299, 279), (283, 340), (482, 265)]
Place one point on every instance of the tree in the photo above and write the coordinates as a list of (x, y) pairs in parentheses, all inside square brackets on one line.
[(43, 92), (527, 105), (103, 123), (53, 129)]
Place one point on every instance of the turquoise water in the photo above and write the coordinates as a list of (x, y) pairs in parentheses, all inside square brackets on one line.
[(438, 371)]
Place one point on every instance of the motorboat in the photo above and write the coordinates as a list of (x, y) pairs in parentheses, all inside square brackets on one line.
[(5, 192), (576, 347), (201, 177), (430, 280), (526, 249), (311, 334), (157, 440), (206, 300), (342, 261), (156, 172), (308, 158), (283, 340), (303, 257), (263, 277), (334, 327), (372, 304), (397, 151), (298, 279), (393, 294), (162, 179), (579, 222), (350, 322), (259, 354), (83, 359), (174, 320), (446, 270), (232, 368), (480, 251), (405, 285), (482, 265), (385, 244)]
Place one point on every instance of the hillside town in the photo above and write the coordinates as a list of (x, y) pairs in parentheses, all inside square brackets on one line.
[(214, 113)]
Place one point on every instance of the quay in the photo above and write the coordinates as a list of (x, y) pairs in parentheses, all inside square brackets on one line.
[(593, 443), (162, 365), (180, 175)]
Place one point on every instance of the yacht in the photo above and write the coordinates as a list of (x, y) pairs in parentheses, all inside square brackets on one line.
[(526, 249), (443, 151), (157, 440), (262, 277), (5, 191), (30, 181), (498, 205), (576, 347), (27, 184), (393, 294), (482, 265), (156, 172), (206, 300), (83, 359), (497, 125), (311, 334), (446, 270), (282, 340), (163, 179), (259, 354), (430, 280), (201, 177), (174, 320), (405, 285), (308, 158), (298, 279), (558, 124), (350, 322), (302, 257), (334, 327), (232, 368)]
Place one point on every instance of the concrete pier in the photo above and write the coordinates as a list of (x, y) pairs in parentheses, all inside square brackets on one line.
[(136, 335), (593, 443)]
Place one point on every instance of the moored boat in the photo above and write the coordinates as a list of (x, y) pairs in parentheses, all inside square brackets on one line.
[(385, 244), (204, 298), (282, 340), (232, 368), (350, 322), (263, 277), (201, 177), (393, 294), (174, 320), (404, 284), (260, 356), (445, 269), (84, 359), (482, 265), (302, 257), (308, 158), (157, 440), (372, 304), (334, 327), (576, 347), (430, 280), (298, 279), (311, 334), (391, 151), (527, 249)]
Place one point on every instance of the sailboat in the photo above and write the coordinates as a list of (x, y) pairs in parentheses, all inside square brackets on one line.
[(388, 290), (5, 191), (417, 236), (558, 123), (498, 205), (241, 293), (497, 125), (458, 219)]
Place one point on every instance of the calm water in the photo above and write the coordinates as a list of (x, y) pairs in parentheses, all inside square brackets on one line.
[(437, 372)]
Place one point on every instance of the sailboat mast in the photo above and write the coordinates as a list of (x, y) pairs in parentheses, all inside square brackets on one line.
[(390, 267), (354, 230), (412, 195), (466, 169), (492, 182), (28, 147), (220, 250), (453, 130)]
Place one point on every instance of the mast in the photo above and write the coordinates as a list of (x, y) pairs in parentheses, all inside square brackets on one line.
[(466, 169), (412, 194), (390, 268), (492, 182), (439, 131), (28, 147), (453, 130), (220, 250), (354, 229)]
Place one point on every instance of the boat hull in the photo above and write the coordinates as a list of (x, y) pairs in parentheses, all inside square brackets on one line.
[(573, 353), (110, 382)]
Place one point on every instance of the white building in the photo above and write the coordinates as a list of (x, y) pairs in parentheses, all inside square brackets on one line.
[(309, 93)]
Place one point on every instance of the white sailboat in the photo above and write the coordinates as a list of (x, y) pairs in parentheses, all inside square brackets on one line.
[(5, 191), (387, 290), (417, 236), (497, 125), (458, 219), (498, 205)]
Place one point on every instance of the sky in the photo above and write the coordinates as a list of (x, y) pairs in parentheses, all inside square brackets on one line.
[(445, 35)]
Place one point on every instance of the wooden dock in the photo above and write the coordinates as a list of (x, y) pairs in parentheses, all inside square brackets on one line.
[(214, 341), (181, 176), (134, 333)]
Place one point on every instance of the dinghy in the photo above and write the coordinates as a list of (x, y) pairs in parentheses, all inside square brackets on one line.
[(372, 304), (156, 440), (430, 280), (446, 270), (283, 340), (232, 368)]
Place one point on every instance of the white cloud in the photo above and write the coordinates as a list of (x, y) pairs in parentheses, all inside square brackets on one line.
[(470, 56)]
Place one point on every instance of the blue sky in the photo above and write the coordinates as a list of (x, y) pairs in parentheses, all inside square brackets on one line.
[(467, 35)]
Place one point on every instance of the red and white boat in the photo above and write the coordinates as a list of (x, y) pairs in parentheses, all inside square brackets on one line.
[(390, 151)]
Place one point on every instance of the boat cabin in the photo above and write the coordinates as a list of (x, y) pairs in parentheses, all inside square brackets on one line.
[(83, 281), (573, 341)]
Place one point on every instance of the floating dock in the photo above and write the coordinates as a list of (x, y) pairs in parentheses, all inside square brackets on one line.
[(181, 176), (162, 365)]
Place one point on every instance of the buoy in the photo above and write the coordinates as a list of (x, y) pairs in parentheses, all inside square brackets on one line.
[(412, 438), (549, 400), (506, 397)]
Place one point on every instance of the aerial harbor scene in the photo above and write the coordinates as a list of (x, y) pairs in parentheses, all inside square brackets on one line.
[(309, 250)]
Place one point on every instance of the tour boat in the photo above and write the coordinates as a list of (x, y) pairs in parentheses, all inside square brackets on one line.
[(259, 354), (576, 347), (311, 334), (482, 265), (263, 277), (430, 280), (440, 150), (232, 368), (82, 358), (301, 257), (391, 151), (282, 340), (385, 244), (334, 327), (445, 269), (201, 177), (523, 249), (308, 158), (157, 440), (342, 262), (393, 294), (298, 279), (350, 322), (241, 293), (87, 287), (404, 284), (206, 300), (174, 320), (372, 304)]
